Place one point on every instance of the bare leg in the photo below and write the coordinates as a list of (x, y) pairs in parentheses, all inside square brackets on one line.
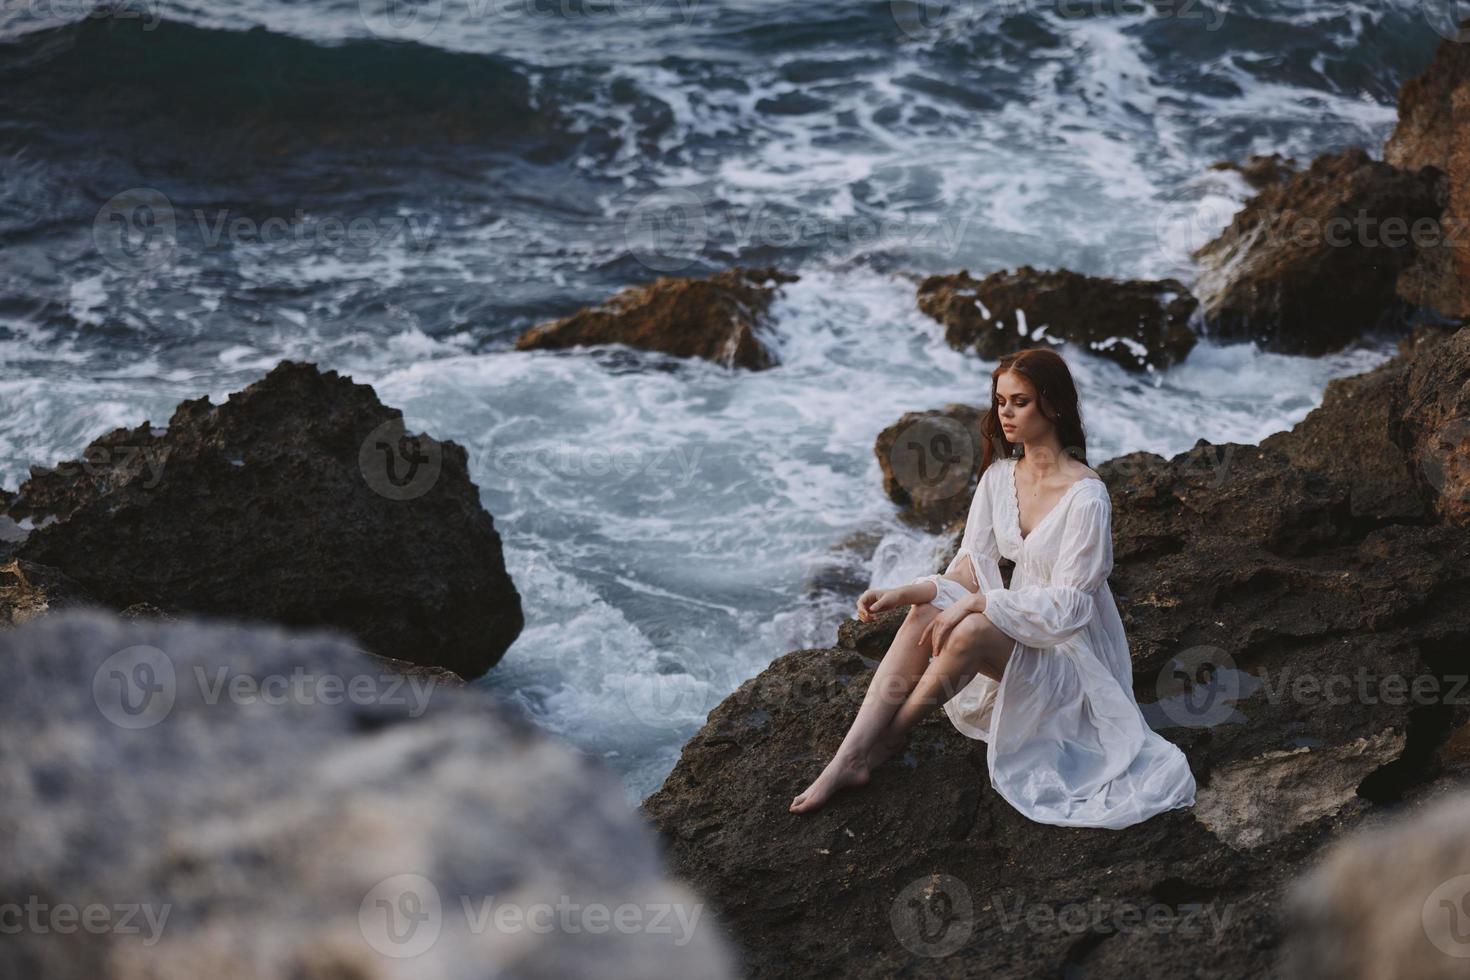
[(901, 667), (974, 646)]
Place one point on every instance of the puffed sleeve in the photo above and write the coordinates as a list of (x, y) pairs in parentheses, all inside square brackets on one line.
[(1046, 615), (978, 542)]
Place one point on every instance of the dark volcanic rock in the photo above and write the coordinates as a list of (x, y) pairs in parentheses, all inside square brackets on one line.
[(716, 318), (299, 500), (1309, 265), (1434, 130), (1299, 626), (931, 463), (1138, 324), (342, 825)]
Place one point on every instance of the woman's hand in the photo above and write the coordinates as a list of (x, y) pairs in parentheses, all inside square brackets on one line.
[(875, 601), (938, 629)]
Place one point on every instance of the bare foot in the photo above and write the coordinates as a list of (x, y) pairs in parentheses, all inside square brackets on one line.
[(840, 772)]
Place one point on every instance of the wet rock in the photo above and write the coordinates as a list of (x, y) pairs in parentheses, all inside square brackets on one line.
[(1138, 324), (1434, 130), (1389, 902), (1261, 171), (343, 824), (931, 463), (720, 318), (1297, 625), (300, 500), (1309, 265)]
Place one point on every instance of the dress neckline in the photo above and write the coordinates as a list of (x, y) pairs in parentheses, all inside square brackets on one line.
[(1016, 501)]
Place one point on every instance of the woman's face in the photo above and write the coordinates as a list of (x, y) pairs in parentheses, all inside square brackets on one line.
[(1020, 415)]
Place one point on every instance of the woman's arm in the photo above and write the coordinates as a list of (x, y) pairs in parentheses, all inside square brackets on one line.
[(958, 583), (1046, 615)]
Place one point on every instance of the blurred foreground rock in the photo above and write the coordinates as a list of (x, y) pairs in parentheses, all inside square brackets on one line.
[(1391, 902), (186, 800)]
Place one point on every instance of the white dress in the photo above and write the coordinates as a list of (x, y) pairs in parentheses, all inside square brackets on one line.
[(1067, 742)]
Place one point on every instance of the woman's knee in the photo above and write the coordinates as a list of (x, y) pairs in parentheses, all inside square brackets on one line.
[(975, 638)]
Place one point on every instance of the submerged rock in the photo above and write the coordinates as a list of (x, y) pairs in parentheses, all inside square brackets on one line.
[(1310, 264), (718, 318), (300, 500), (1138, 324), (1297, 618), (222, 801)]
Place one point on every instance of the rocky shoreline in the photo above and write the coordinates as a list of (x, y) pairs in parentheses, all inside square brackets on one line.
[(1256, 583)]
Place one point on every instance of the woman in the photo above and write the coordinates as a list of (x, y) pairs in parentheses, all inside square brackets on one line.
[(1040, 670)]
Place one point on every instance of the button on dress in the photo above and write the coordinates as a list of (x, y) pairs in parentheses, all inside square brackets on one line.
[(1067, 742)]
